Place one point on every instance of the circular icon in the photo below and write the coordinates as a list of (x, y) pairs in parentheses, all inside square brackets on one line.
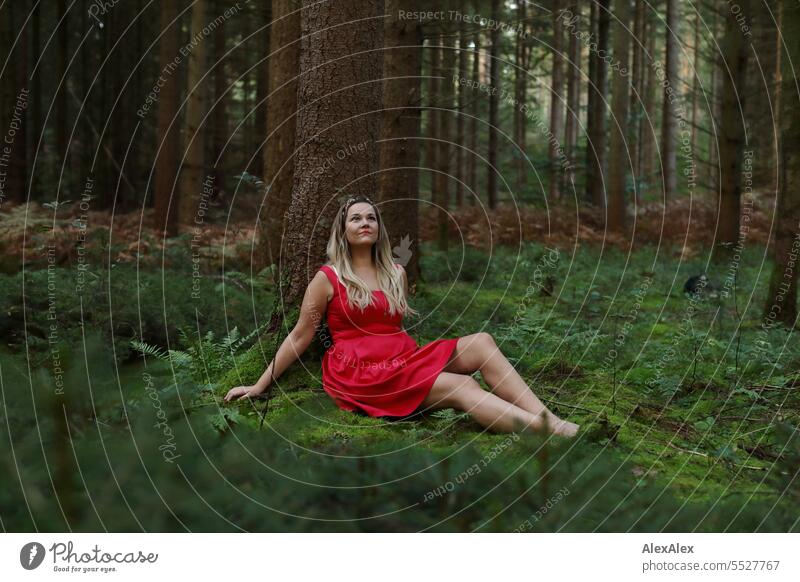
[(31, 555)]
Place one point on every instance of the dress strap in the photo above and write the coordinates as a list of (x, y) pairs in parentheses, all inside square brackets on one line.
[(332, 275)]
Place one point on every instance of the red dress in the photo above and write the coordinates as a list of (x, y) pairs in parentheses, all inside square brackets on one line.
[(374, 366)]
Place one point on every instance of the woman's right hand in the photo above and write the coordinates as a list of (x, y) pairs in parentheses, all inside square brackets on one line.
[(242, 392)]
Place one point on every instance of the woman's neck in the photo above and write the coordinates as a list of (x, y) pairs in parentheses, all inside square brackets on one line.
[(361, 258)]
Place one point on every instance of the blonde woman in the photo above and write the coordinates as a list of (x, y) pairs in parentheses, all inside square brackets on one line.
[(374, 367)]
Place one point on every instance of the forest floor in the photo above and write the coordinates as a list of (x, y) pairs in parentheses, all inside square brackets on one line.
[(687, 398)]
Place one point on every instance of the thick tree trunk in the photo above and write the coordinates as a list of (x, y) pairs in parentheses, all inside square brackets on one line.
[(732, 124), (339, 108), (168, 134), (671, 95), (398, 181), (494, 103), (618, 161), (279, 161), (781, 303), (61, 101), (596, 148), (556, 104), (16, 108)]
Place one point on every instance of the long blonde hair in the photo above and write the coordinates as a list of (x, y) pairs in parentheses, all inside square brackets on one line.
[(390, 280)]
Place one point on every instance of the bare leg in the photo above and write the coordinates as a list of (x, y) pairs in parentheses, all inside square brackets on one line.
[(480, 352), (464, 393)]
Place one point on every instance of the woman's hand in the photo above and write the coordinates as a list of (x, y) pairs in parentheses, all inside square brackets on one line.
[(242, 392)]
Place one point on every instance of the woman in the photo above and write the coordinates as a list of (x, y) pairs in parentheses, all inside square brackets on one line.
[(374, 367)]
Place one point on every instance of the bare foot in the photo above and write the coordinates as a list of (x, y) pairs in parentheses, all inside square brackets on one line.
[(565, 428)]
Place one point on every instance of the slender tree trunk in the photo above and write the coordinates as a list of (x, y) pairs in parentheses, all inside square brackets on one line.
[(279, 161), (573, 95), (262, 87), (781, 303), (735, 52), (556, 104), (695, 81), (713, 149), (596, 151), (339, 103), (778, 90), (647, 136), (61, 101), (591, 96), (433, 103), (671, 95), (17, 107), (441, 192), (473, 124), (194, 188), (461, 115), (35, 118), (494, 103), (168, 134), (618, 162), (219, 114), (520, 84), (637, 87), (398, 181)]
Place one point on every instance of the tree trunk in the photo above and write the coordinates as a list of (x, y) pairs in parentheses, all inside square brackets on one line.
[(520, 84), (16, 108), (473, 124), (618, 162), (262, 86), (279, 161), (339, 103), (219, 114), (168, 135), (735, 51), (432, 121), (573, 96), (194, 189), (637, 88), (782, 299), (671, 95), (398, 181), (494, 105), (596, 148), (461, 114), (61, 101), (441, 191), (647, 137), (556, 104)]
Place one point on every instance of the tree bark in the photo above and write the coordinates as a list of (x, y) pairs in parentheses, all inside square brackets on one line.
[(573, 96), (637, 88), (782, 297), (433, 102), (339, 103), (556, 104), (168, 135), (441, 190), (460, 173), (732, 124), (671, 94), (473, 124), (520, 84), (618, 162), (219, 114), (398, 181), (596, 148), (494, 104), (279, 160), (193, 181), (262, 86), (647, 137)]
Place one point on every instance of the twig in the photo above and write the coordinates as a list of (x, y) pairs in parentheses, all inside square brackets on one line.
[(699, 454), (550, 401)]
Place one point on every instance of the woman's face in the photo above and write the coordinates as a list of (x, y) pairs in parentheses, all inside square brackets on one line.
[(361, 224)]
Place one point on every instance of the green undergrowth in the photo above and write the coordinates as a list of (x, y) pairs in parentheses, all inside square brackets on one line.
[(688, 408)]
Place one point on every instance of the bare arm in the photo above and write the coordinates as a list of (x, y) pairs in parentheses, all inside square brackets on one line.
[(312, 310)]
